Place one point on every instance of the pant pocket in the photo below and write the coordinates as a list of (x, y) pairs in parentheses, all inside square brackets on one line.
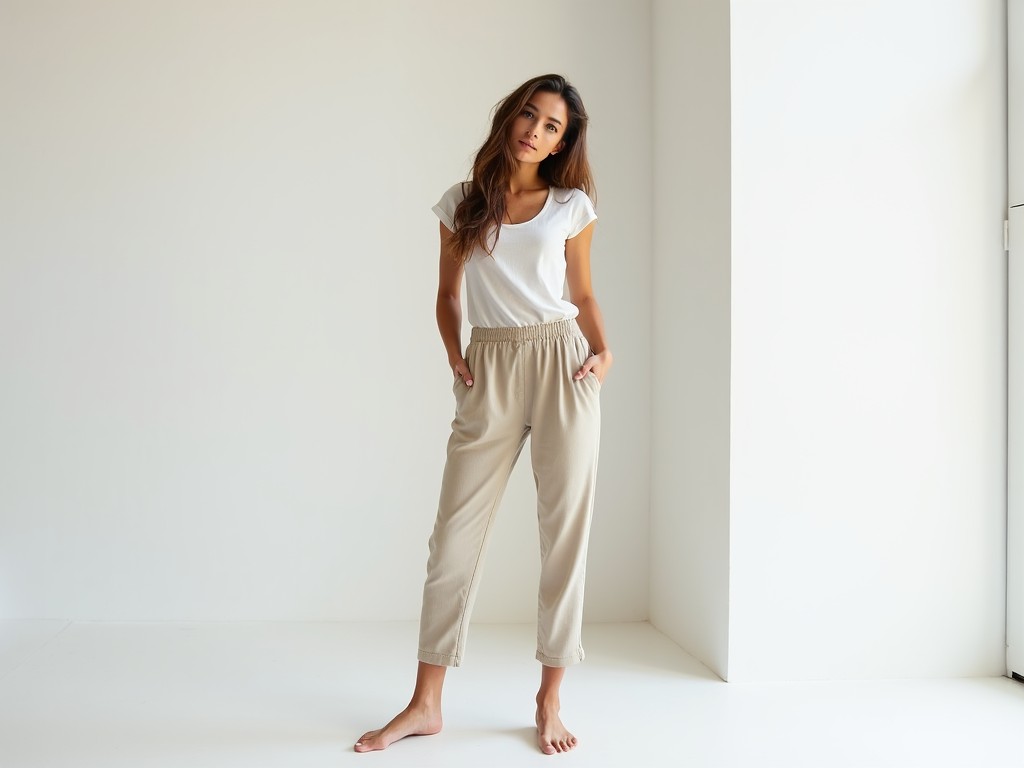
[(584, 351)]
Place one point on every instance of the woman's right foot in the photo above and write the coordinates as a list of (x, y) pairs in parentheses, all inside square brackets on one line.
[(411, 721)]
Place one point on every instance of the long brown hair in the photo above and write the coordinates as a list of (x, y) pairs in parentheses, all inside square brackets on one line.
[(484, 204)]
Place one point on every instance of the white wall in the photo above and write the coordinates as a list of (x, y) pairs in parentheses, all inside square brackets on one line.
[(1015, 340), (223, 394), (868, 339), (690, 310), (1015, 100)]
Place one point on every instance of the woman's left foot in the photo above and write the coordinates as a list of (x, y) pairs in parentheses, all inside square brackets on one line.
[(552, 736)]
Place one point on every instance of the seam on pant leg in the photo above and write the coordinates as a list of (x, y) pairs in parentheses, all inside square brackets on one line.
[(578, 345), (479, 554)]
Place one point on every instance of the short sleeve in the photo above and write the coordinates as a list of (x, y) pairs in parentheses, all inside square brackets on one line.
[(445, 207), (583, 213)]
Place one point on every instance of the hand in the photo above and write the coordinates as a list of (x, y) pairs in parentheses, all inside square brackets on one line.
[(461, 369), (599, 364)]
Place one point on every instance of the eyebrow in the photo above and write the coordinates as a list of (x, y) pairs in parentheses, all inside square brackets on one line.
[(534, 108)]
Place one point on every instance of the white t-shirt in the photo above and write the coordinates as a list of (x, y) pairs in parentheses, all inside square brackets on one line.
[(524, 282)]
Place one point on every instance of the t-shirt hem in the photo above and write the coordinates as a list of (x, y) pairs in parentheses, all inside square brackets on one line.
[(523, 323)]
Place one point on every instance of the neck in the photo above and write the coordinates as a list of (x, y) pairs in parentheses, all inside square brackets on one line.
[(525, 177)]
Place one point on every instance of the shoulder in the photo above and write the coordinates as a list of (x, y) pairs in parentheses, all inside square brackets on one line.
[(573, 196), (579, 211), (448, 203), (458, 190)]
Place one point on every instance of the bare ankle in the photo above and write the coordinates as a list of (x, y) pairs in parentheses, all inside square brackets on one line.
[(424, 710), (548, 700)]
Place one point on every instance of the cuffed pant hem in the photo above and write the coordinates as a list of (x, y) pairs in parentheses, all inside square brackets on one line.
[(441, 659), (562, 661)]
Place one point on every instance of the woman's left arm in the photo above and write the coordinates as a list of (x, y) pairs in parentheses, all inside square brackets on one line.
[(577, 274)]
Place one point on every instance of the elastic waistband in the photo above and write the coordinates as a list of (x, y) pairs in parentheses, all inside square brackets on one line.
[(559, 329)]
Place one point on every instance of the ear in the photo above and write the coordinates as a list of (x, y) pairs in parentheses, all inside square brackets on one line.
[(559, 148)]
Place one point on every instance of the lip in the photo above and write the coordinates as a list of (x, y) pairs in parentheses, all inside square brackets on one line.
[(527, 144)]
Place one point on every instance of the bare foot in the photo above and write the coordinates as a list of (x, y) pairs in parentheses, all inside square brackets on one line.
[(411, 721), (552, 736)]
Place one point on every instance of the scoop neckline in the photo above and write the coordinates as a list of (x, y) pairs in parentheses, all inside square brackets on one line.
[(538, 214)]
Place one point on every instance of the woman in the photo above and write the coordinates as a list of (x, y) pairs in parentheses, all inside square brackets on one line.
[(518, 231)]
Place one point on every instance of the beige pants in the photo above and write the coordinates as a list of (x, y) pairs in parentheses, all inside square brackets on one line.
[(522, 385)]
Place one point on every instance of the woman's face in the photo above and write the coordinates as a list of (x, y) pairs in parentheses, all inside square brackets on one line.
[(538, 130)]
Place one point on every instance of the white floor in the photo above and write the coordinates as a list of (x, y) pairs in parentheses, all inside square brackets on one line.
[(299, 694)]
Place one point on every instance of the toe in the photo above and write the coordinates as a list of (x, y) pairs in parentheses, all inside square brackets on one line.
[(368, 742)]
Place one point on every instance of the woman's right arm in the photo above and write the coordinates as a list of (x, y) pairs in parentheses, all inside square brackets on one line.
[(449, 307)]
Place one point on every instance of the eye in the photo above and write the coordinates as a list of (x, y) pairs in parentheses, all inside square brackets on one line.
[(528, 113), (553, 129)]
